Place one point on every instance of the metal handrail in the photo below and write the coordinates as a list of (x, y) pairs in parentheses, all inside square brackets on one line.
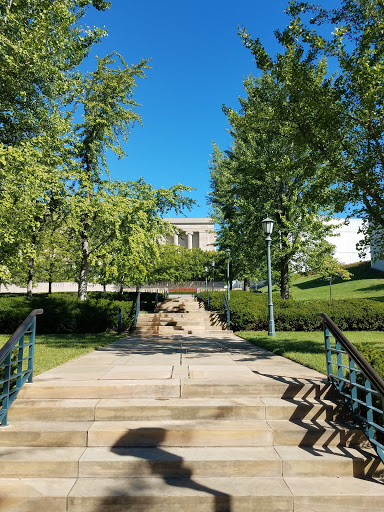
[(228, 311), (348, 387), (12, 373), (137, 310)]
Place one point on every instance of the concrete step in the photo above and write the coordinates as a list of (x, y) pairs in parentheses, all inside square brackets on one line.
[(306, 409), (181, 433), (172, 388), (329, 461), (155, 388), (174, 409), (156, 494), (187, 494), (280, 388), (316, 433), (104, 462), (45, 433)]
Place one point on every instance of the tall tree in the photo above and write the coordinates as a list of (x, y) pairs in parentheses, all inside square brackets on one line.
[(42, 42), (269, 171), (105, 97), (350, 132)]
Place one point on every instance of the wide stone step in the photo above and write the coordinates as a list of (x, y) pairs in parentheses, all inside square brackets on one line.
[(174, 409), (40, 462), (119, 462), (156, 494), (155, 388), (280, 388), (180, 433), (45, 433), (316, 433), (329, 461), (308, 409)]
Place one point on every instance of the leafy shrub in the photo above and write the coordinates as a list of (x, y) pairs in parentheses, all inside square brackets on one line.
[(374, 356), (63, 313), (249, 312)]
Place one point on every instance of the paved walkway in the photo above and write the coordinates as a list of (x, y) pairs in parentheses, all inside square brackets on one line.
[(193, 422), (179, 360)]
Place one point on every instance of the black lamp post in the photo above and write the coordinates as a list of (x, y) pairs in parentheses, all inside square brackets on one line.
[(213, 276), (268, 228)]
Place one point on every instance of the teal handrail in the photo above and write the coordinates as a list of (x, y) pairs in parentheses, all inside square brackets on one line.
[(16, 367), (137, 311), (357, 382), (228, 311)]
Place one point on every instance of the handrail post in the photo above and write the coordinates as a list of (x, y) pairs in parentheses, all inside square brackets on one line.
[(31, 355), (361, 377), (12, 356)]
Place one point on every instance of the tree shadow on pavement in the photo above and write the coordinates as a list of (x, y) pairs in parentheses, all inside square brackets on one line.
[(147, 444)]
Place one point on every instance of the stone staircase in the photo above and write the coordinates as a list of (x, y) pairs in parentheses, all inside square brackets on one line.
[(197, 423), (179, 315)]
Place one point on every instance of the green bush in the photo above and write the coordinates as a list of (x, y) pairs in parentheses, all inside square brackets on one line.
[(249, 312), (63, 313), (374, 356)]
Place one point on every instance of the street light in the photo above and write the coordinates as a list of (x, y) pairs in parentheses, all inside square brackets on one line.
[(206, 284), (228, 253), (213, 276), (268, 228)]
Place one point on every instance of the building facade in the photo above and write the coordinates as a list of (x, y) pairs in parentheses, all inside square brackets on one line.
[(348, 235), (194, 233)]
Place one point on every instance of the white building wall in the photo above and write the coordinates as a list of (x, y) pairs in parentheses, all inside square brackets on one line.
[(201, 231), (345, 242)]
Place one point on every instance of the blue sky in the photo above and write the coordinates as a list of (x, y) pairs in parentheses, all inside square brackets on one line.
[(198, 64)]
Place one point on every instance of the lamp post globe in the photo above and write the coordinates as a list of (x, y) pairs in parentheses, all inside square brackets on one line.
[(267, 225)]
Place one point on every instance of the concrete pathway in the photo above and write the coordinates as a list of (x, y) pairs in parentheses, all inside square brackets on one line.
[(207, 423)]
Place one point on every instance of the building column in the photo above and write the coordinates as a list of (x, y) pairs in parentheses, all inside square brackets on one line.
[(176, 239), (189, 242)]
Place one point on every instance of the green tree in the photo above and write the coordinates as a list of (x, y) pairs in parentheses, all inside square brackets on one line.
[(105, 96), (42, 42), (270, 171), (349, 132), (180, 265)]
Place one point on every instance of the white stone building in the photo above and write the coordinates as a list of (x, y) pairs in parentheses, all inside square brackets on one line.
[(348, 236), (194, 233)]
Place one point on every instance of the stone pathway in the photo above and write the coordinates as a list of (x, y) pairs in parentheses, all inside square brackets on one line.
[(183, 422)]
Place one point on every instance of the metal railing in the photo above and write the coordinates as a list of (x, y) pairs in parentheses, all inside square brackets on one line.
[(16, 363), (358, 383), (137, 310), (227, 311)]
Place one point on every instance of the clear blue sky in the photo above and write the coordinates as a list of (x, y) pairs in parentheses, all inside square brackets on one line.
[(198, 64)]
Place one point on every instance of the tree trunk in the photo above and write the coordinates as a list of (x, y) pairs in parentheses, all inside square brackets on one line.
[(330, 289), (246, 284), (284, 278), (31, 265), (83, 277), (104, 288), (121, 286)]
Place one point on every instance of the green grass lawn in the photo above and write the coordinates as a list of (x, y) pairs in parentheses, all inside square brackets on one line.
[(54, 349), (307, 348), (364, 283)]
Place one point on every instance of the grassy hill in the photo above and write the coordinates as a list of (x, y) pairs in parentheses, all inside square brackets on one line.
[(365, 283)]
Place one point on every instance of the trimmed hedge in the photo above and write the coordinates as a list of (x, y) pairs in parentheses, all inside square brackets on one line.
[(63, 313), (249, 312)]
